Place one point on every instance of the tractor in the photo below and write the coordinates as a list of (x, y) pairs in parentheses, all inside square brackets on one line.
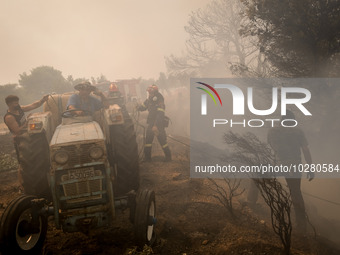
[(82, 170)]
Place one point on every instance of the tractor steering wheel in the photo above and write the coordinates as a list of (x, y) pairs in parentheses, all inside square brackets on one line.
[(71, 113)]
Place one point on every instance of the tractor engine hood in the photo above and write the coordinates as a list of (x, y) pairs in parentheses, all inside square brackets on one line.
[(77, 132)]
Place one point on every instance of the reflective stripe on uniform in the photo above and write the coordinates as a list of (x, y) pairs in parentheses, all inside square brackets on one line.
[(148, 145), (165, 145), (160, 109)]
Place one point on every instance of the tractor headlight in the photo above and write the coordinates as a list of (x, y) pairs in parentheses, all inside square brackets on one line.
[(35, 125), (61, 157), (96, 152)]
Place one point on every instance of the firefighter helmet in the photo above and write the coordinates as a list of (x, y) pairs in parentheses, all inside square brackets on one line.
[(152, 88), (113, 87)]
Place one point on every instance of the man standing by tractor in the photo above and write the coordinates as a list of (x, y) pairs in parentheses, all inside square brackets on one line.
[(16, 122), (156, 122), (15, 118)]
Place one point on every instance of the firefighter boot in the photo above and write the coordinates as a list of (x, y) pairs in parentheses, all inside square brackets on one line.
[(147, 154), (167, 154)]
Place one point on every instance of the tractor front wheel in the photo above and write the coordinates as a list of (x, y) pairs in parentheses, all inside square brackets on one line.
[(145, 217), (19, 234)]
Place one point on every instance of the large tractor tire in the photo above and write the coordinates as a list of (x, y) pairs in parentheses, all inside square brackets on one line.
[(124, 152), (18, 235), (145, 217), (34, 159)]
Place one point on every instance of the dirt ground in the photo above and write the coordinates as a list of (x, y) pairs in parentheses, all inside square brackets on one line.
[(189, 219)]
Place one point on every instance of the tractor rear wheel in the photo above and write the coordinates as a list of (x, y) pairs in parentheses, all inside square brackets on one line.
[(124, 151), (34, 159)]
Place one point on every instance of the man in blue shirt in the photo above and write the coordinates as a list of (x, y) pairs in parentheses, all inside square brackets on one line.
[(83, 101)]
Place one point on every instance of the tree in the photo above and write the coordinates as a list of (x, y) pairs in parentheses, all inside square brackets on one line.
[(299, 38), (249, 150), (280, 203), (102, 78), (225, 191), (44, 80), (214, 41), (5, 90)]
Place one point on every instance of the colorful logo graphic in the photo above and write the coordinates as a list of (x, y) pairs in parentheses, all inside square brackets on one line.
[(209, 93), (239, 99)]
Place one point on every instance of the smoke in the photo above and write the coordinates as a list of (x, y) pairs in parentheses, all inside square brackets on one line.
[(86, 38), (177, 102)]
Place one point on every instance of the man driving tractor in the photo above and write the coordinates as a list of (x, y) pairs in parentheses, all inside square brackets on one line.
[(83, 101)]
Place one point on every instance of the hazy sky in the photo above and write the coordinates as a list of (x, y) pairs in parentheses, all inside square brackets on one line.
[(117, 38)]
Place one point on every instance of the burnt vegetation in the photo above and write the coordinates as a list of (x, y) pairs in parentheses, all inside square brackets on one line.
[(225, 191), (249, 150)]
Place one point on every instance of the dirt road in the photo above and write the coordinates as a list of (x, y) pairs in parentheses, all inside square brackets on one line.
[(189, 219)]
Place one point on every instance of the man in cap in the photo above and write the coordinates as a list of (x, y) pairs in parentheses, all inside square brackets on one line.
[(83, 101), (156, 107)]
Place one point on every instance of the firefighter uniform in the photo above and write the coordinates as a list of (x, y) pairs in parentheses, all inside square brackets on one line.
[(156, 123)]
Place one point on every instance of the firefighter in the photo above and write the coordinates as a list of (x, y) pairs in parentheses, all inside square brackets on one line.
[(115, 96), (156, 122), (114, 91)]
